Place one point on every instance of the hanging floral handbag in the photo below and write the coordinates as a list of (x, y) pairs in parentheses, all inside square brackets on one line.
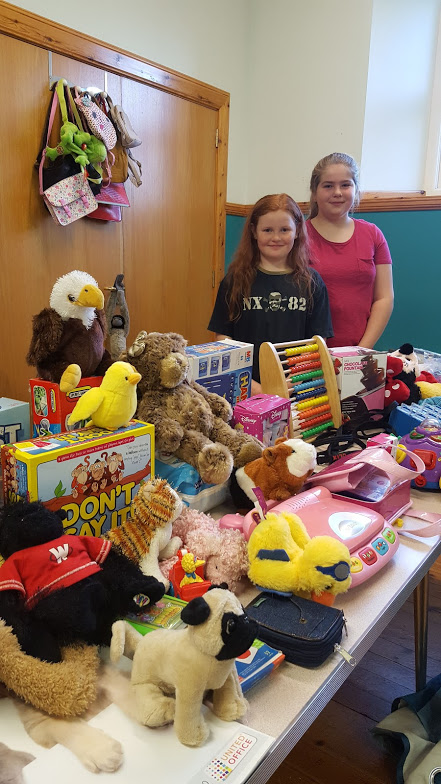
[(100, 125), (70, 198)]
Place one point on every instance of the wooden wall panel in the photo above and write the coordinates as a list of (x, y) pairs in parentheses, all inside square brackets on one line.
[(171, 240), (169, 234), (35, 251)]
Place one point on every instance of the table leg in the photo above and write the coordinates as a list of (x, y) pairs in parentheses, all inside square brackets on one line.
[(420, 617)]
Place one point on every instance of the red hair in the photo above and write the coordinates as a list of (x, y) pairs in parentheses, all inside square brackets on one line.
[(242, 271)]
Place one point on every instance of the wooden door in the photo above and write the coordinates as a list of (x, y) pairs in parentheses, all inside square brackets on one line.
[(169, 234), (170, 243)]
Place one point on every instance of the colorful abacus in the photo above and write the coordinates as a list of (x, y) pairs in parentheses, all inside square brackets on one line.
[(302, 371)]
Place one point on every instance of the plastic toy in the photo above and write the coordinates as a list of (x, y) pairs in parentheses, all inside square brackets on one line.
[(113, 403), (189, 421), (146, 537), (189, 562), (68, 338), (279, 473), (188, 662), (284, 558), (425, 442), (187, 577)]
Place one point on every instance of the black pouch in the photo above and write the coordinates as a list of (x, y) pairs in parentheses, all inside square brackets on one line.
[(305, 631)]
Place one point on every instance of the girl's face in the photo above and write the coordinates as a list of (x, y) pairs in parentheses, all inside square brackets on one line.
[(275, 234), (335, 192)]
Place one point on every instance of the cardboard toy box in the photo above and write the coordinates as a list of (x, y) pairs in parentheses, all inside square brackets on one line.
[(14, 420), (223, 367), (263, 416), (361, 378), (51, 408), (91, 473)]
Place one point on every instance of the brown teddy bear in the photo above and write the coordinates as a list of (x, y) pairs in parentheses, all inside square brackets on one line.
[(189, 421)]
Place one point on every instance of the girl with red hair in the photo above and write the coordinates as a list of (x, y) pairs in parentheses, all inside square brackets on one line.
[(270, 292)]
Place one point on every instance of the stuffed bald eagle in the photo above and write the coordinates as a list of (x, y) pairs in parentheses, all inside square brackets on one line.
[(68, 338)]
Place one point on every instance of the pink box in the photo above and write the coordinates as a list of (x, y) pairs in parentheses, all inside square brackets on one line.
[(386, 440), (264, 416)]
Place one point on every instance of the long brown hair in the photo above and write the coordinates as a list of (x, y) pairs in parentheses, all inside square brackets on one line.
[(242, 270), (317, 172)]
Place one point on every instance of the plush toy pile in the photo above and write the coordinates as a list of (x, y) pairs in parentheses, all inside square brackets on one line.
[(189, 421), (57, 589)]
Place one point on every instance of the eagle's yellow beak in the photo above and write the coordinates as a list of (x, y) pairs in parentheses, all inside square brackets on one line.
[(134, 378), (90, 297)]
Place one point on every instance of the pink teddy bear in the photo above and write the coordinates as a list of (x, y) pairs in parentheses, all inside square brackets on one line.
[(223, 550)]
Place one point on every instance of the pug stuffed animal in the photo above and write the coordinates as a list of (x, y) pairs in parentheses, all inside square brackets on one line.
[(188, 662)]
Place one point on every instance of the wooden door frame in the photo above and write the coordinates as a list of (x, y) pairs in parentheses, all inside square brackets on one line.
[(31, 28)]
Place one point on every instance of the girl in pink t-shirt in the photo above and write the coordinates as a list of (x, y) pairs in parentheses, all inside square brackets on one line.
[(350, 254)]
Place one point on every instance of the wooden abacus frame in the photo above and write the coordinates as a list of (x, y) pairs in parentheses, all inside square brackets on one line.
[(275, 373)]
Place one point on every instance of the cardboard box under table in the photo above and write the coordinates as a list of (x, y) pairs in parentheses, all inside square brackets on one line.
[(92, 473)]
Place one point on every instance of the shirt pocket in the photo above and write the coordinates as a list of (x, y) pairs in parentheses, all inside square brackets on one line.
[(366, 266)]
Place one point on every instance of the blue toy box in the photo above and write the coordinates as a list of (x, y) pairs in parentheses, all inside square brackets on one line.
[(14, 421), (223, 367)]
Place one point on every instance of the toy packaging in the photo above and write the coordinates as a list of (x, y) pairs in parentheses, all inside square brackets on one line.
[(256, 663), (14, 420), (188, 484), (165, 614), (263, 416), (51, 408), (361, 377), (91, 473), (223, 367)]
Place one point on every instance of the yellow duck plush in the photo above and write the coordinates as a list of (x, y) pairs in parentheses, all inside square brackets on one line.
[(283, 557), (113, 403)]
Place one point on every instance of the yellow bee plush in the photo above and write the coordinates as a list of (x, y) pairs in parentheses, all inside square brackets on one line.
[(283, 557)]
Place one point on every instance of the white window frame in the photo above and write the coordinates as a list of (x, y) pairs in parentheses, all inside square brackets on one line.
[(432, 175)]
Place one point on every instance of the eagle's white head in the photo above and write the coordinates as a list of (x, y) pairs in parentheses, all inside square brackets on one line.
[(76, 295)]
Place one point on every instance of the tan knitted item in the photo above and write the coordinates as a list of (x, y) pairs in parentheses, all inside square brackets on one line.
[(155, 505)]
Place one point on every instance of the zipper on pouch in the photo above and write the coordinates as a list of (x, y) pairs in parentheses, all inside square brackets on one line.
[(338, 649)]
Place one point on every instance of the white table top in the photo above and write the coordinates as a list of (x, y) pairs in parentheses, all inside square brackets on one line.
[(286, 703), (286, 706)]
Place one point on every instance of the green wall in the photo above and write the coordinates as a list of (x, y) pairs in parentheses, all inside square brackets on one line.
[(414, 240)]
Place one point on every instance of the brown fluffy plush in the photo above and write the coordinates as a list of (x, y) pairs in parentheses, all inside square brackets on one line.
[(189, 421), (64, 689)]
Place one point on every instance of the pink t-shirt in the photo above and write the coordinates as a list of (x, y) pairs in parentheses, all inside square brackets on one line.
[(348, 270)]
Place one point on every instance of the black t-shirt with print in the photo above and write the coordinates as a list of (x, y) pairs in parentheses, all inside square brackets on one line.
[(277, 311)]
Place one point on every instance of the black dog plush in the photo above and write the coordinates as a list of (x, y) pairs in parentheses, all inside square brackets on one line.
[(57, 589)]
